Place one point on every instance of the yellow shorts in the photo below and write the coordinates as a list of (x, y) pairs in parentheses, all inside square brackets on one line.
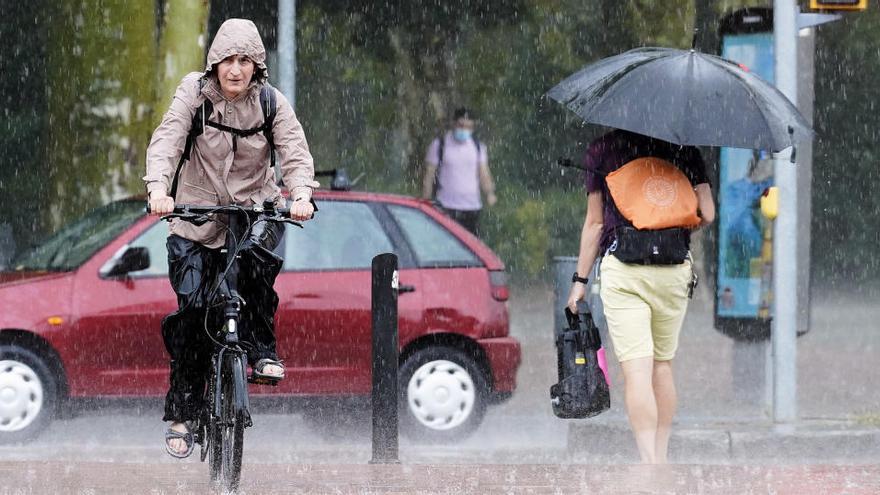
[(644, 307)]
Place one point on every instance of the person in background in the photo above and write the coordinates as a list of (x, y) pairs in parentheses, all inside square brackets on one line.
[(459, 165)]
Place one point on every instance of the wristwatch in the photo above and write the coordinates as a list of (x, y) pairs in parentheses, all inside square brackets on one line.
[(575, 278)]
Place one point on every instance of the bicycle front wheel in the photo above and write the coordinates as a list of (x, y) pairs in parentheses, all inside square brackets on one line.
[(227, 432)]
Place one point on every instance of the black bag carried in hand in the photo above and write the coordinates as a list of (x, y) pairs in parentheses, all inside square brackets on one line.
[(582, 390), (651, 247)]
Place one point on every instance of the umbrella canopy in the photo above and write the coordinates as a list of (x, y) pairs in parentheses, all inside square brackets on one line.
[(684, 97)]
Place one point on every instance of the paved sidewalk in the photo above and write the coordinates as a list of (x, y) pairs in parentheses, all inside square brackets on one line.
[(96, 478), (837, 375), (735, 442), (521, 445)]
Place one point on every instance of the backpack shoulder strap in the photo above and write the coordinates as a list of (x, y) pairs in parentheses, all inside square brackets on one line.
[(268, 104), (441, 147), (478, 145), (196, 129)]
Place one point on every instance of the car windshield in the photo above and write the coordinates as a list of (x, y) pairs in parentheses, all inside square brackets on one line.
[(76, 242)]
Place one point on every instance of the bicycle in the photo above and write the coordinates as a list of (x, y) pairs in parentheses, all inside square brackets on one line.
[(220, 426)]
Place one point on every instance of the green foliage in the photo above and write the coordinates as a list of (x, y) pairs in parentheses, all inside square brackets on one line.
[(373, 103), (845, 164), (375, 83), (528, 228), (22, 119)]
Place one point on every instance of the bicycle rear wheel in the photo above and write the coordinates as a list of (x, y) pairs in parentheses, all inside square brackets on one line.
[(227, 429)]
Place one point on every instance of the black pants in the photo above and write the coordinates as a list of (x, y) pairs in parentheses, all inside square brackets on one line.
[(469, 219), (194, 271)]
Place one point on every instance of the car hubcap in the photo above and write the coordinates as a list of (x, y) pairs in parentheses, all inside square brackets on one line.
[(441, 395), (21, 396)]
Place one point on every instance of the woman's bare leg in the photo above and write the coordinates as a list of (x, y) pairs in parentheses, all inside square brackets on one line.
[(665, 395), (641, 405)]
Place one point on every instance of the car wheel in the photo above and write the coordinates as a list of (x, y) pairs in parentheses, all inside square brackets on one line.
[(28, 394), (443, 394)]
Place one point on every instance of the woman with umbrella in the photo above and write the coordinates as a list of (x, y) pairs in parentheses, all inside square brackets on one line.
[(644, 304), (675, 96)]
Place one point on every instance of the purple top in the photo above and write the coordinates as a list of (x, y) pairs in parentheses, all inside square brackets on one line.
[(458, 177), (617, 148)]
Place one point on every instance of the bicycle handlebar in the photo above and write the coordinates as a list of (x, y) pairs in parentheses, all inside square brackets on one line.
[(198, 214), (204, 210)]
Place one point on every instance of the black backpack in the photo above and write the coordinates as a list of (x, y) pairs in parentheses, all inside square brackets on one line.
[(582, 390), (200, 120)]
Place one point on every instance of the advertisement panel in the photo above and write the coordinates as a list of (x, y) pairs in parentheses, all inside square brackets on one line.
[(744, 237)]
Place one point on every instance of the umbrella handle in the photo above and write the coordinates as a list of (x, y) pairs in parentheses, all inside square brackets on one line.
[(567, 162)]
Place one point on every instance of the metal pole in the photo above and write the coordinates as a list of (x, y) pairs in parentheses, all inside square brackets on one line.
[(784, 329), (286, 56), (385, 358), (287, 49)]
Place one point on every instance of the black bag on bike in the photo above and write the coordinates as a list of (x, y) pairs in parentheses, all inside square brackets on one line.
[(582, 390), (651, 247)]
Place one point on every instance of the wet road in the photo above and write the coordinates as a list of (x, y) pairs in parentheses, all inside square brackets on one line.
[(521, 447), (101, 478)]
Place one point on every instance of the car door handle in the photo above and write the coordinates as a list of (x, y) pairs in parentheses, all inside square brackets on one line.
[(402, 289)]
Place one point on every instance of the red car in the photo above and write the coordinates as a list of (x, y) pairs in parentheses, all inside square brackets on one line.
[(76, 323)]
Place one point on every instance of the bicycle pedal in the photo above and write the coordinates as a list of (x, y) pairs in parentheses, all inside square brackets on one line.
[(257, 380)]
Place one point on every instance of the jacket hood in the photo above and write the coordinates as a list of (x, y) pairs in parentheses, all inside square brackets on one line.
[(239, 37)]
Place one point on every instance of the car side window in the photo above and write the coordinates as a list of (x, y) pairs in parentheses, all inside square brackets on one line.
[(154, 240), (433, 245), (345, 235)]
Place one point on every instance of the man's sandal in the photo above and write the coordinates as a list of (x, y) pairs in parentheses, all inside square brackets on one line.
[(261, 378), (187, 437)]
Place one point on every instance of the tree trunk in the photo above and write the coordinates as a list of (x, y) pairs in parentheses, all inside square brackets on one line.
[(424, 87), (100, 87), (181, 48), (404, 157)]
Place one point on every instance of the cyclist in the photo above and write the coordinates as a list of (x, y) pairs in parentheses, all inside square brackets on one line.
[(223, 167)]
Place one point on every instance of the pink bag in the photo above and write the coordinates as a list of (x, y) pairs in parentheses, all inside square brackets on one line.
[(603, 364)]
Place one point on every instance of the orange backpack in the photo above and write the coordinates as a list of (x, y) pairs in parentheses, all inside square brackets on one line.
[(653, 194)]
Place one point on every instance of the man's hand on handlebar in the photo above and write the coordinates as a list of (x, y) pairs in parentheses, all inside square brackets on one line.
[(301, 210), (161, 203)]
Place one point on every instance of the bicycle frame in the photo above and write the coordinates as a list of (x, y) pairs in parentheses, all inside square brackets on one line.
[(228, 290)]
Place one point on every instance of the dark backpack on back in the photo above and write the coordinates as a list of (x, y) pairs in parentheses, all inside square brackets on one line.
[(203, 113)]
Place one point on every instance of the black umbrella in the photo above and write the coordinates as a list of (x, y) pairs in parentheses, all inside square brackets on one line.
[(684, 97)]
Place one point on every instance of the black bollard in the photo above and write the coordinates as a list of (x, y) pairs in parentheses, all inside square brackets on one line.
[(385, 359)]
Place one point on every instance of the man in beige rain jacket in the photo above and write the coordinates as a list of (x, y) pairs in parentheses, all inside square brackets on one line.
[(223, 169)]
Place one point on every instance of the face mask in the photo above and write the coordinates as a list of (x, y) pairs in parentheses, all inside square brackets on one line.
[(461, 134)]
